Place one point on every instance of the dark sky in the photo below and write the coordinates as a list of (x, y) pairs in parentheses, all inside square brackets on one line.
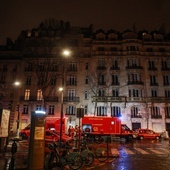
[(120, 15)]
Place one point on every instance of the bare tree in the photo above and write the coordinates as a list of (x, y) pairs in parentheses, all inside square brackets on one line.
[(99, 81), (46, 60)]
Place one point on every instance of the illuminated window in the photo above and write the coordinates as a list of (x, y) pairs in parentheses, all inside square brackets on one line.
[(27, 94), (39, 95)]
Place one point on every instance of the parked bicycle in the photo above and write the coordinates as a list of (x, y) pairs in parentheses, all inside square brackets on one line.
[(60, 157)]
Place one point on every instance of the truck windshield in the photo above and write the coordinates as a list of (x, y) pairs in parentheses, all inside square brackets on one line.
[(125, 127)]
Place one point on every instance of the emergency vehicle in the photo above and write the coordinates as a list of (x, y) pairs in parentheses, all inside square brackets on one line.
[(103, 126)]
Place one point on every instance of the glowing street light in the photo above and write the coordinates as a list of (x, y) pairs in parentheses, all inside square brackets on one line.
[(65, 53)]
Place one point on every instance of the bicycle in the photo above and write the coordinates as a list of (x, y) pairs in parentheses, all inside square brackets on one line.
[(58, 157), (101, 154)]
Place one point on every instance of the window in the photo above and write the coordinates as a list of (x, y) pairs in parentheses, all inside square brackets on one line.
[(115, 64), (155, 112), (39, 95), (25, 109), (87, 66), (53, 81), (71, 80), (167, 112), (153, 81), (164, 65), (166, 80), (101, 111), (133, 62), (135, 113), (101, 79), (134, 78), (101, 92), (167, 93), (115, 93), (51, 110), (72, 66), (151, 65), (86, 95), (86, 109), (27, 94), (70, 110), (135, 93), (101, 48), (101, 62), (2, 79), (149, 49), (115, 111), (41, 66), (71, 94), (154, 93), (113, 48), (28, 80), (38, 107), (86, 80), (115, 79)]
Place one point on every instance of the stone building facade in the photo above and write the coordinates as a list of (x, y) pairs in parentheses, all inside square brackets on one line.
[(124, 75)]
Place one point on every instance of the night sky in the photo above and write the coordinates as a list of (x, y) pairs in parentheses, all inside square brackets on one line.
[(120, 15)]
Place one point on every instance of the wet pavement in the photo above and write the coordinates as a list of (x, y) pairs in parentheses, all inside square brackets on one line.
[(21, 157)]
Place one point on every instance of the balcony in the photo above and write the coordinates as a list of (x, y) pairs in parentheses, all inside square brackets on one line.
[(115, 83), (165, 69), (71, 99), (101, 68), (101, 83), (135, 83), (71, 83), (134, 67), (34, 98), (108, 99), (153, 84), (114, 68), (152, 69), (136, 116), (156, 116), (74, 69)]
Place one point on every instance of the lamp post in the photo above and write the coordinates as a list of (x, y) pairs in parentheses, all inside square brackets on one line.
[(65, 53), (17, 84)]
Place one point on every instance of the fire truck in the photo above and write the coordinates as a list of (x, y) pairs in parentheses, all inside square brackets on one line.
[(54, 123), (96, 127)]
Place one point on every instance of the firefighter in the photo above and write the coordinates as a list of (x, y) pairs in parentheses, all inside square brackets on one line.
[(72, 132), (69, 131)]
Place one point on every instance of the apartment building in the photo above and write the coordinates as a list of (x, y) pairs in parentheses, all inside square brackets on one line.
[(124, 75)]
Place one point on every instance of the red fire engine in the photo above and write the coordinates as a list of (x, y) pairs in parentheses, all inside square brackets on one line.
[(102, 126)]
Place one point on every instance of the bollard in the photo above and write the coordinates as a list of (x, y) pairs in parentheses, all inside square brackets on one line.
[(13, 151)]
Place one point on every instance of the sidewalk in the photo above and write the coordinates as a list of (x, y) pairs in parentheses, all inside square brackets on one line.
[(21, 157)]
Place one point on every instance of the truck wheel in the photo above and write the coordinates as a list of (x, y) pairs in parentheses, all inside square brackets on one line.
[(130, 138), (141, 137), (157, 137), (24, 136)]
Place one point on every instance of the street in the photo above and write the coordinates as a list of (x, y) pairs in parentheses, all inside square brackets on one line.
[(134, 155)]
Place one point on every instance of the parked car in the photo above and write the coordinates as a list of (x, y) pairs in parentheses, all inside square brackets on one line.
[(147, 134), (50, 135)]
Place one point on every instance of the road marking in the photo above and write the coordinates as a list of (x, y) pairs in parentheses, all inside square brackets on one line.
[(141, 151), (114, 151), (128, 151), (156, 151)]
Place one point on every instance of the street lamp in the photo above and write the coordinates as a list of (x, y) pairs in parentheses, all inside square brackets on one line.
[(65, 53), (17, 84)]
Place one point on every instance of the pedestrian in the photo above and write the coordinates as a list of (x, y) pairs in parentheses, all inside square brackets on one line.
[(72, 132), (69, 131), (76, 131)]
